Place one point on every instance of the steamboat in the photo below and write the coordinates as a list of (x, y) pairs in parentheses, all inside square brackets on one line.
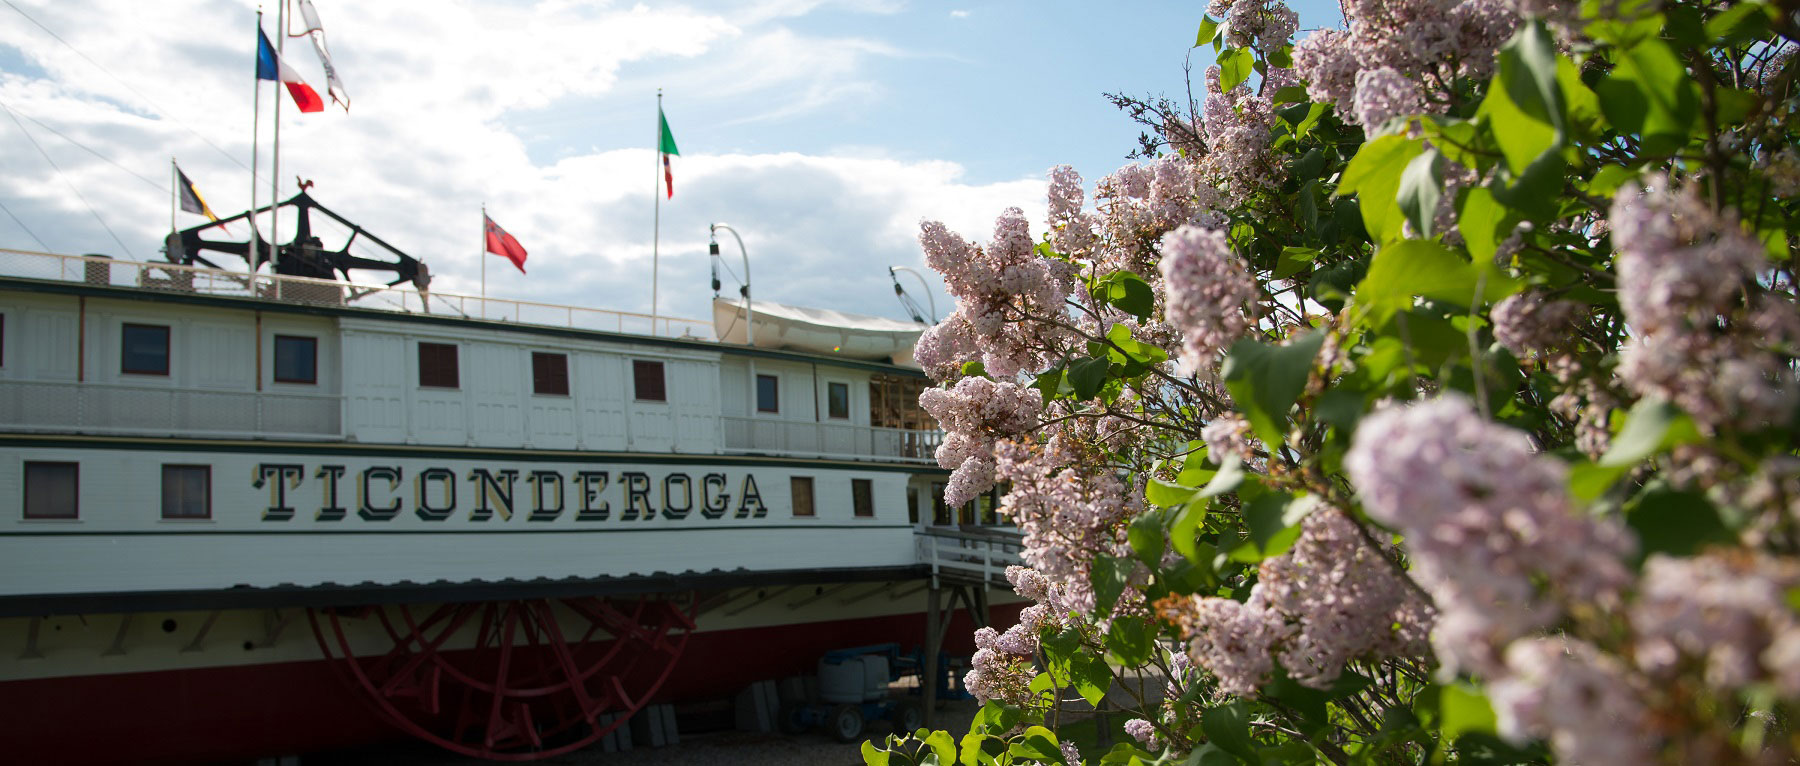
[(284, 507)]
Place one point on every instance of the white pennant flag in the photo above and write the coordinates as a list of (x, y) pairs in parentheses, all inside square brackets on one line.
[(316, 31)]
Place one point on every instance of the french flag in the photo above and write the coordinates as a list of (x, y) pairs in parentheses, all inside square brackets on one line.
[(270, 67)]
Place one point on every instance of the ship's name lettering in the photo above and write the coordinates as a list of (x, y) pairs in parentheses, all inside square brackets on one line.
[(384, 493)]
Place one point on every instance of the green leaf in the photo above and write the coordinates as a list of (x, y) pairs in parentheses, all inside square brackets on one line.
[(1208, 30), (1293, 259), (1146, 537), (1038, 743), (1273, 529), (1676, 523), (1087, 375), (1528, 75), (1211, 755), (872, 755), (1462, 708), (1282, 57), (1417, 267), (1455, 138), (1093, 679), (1609, 178), (1108, 575), (974, 369), (1626, 24), (1305, 126), (942, 745), (1128, 642), (1235, 66), (1164, 494), (1230, 475), (1184, 533), (1292, 94), (1480, 222), (1591, 480), (1536, 192), (1129, 293), (1740, 23), (1228, 728), (1421, 186), (1374, 176), (1583, 106), (1650, 92), (1266, 380), (1522, 138), (1652, 426)]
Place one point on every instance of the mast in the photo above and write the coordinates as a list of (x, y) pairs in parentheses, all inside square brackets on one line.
[(275, 167), (656, 158), (255, 135)]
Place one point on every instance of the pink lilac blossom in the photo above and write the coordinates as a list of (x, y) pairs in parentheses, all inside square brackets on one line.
[(1071, 753), (1328, 65), (1067, 514), (1264, 24), (1426, 42), (1528, 323), (1384, 94), (1683, 271), (997, 288), (1144, 732), (1486, 519), (1782, 169), (1232, 640), (1209, 293), (974, 413), (1238, 125), (1227, 434), (1583, 700), (1727, 610), (1072, 231), (1342, 600)]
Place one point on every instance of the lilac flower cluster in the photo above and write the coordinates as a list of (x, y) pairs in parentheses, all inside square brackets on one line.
[(1067, 514), (1329, 600), (1237, 129), (1227, 434), (1528, 323), (1682, 273), (1139, 203), (997, 671), (1486, 519), (1729, 612), (1583, 700), (974, 413), (1145, 733), (996, 288), (1209, 294), (1429, 43), (1263, 24)]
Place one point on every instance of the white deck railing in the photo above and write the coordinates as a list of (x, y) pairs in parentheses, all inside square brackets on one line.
[(169, 277), (112, 408), (773, 436), (980, 556)]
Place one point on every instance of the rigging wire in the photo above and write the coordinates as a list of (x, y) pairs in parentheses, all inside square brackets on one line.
[(65, 180), (166, 114), (28, 232), (164, 188)]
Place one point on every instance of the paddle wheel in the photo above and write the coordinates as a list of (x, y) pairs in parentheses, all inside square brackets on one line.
[(508, 680)]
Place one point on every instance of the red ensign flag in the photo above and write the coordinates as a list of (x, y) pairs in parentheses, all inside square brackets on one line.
[(502, 244)]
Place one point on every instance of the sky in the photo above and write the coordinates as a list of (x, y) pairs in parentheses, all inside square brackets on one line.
[(822, 131)]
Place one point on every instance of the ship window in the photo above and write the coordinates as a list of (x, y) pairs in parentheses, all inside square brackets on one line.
[(296, 359), (940, 510), (144, 349), (187, 492), (647, 379), (549, 374), (2, 340), (912, 505), (51, 490), (990, 507), (768, 398), (437, 365), (837, 399), (802, 487), (862, 497)]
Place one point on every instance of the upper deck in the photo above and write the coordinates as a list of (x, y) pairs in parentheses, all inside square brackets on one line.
[(67, 318)]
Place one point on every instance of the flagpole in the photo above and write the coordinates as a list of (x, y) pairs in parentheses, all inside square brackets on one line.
[(483, 256), (255, 136), (275, 166), (174, 192), (656, 197)]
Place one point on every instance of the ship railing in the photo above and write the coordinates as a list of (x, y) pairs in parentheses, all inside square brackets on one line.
[(176, 278), (981, 556), (126, 409), (774, 436)]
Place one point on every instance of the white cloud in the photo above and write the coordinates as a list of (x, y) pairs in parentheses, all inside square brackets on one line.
[(428, 142), (959, 14)]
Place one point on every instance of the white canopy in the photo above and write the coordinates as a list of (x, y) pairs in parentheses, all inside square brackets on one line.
[(820, 331)]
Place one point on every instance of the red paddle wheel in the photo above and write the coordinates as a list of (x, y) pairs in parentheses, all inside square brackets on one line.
[(508, 680)]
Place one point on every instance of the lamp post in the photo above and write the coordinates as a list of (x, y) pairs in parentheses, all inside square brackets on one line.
[(749, 320), (931, 299)]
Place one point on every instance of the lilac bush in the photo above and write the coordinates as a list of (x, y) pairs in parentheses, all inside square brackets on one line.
[(1426, 394)]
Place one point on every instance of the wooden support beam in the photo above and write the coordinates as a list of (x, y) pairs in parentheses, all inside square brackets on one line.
[(200, 637), (118, 645), (933, 645)]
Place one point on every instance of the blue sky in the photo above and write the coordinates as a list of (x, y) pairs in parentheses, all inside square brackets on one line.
[(822, 129)]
